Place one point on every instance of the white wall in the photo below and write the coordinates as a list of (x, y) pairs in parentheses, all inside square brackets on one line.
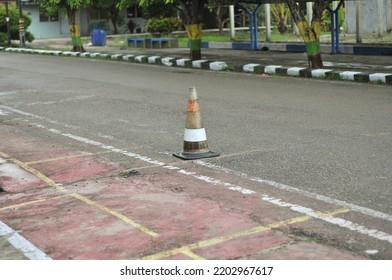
[(42, 30), (369, 16)]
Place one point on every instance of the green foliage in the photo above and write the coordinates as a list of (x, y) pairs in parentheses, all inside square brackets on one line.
[(3, 38), (47, 5), (163, 25), (158, 9), (13, 13)]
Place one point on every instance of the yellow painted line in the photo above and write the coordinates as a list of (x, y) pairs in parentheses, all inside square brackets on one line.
[(82, 154), (33, 171), (241, 234), (32, 202), (334, 213), (116, 214), (51, 183), (218, 240), (192, 255)]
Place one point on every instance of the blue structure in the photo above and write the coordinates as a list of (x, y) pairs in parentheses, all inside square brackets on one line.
[(335, 32), (253, 25)]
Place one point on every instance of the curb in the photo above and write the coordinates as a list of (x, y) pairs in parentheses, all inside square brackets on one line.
[(300, 47), (377, 78), (167, 61)]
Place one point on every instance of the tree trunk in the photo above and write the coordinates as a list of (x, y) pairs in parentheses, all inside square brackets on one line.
[(311, 37), (310, 34), (74, 28), (194, 36), (114, 18), (219, 20), (192, 16)]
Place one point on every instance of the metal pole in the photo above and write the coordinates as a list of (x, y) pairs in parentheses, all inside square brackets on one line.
[(358, 21), (255, 31), (232, 22), (268, 21), (21, 25), (337, 31), (7, 19), (333, 50)]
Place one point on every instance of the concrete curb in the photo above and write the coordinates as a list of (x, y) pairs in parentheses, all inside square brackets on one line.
[(300, 47), (151, 59), (378, 78)]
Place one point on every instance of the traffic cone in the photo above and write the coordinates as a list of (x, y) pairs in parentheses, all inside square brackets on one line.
[(195, 139)]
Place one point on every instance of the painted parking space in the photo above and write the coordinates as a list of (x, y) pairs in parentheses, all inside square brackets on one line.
[(153, 213)]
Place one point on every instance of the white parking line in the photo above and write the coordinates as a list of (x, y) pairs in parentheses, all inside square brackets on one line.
[(22, 244)]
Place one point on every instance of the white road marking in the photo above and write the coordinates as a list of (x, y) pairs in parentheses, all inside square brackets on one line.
[(320, 197), (330, 219), (22, 244)]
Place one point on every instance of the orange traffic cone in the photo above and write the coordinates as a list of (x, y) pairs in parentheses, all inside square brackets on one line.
[(195, 139)]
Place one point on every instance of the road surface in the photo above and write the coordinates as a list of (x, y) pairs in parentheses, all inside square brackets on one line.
[(296, 142)]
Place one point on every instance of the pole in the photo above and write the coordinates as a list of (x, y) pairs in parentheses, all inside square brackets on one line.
[(309, 12), (7, 19), (22, 31), (268, 21), (358, 21), (232, 23), (381, 20)]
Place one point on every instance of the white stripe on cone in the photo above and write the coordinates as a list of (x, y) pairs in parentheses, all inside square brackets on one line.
[(195, 135)]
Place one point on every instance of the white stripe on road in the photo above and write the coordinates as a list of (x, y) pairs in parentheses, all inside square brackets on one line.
[(320, 197), (22, 244), (330, 219)]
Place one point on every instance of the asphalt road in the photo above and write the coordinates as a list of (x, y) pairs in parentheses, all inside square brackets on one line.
[(321, 139)]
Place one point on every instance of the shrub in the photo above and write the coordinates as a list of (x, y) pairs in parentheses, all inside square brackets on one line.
[(163, 25), (13, 13), (3, 38)]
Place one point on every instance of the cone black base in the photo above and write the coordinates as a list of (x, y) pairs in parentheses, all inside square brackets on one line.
[(190, 156)]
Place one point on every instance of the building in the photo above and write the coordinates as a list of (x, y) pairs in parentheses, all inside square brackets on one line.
[(45, 26)]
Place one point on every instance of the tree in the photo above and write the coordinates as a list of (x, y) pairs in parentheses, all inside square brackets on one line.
[(310, 34), (111, 7), (191, 12), (217, 7), (280, 12), (73, 11), (13, 14), (192, 16)]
